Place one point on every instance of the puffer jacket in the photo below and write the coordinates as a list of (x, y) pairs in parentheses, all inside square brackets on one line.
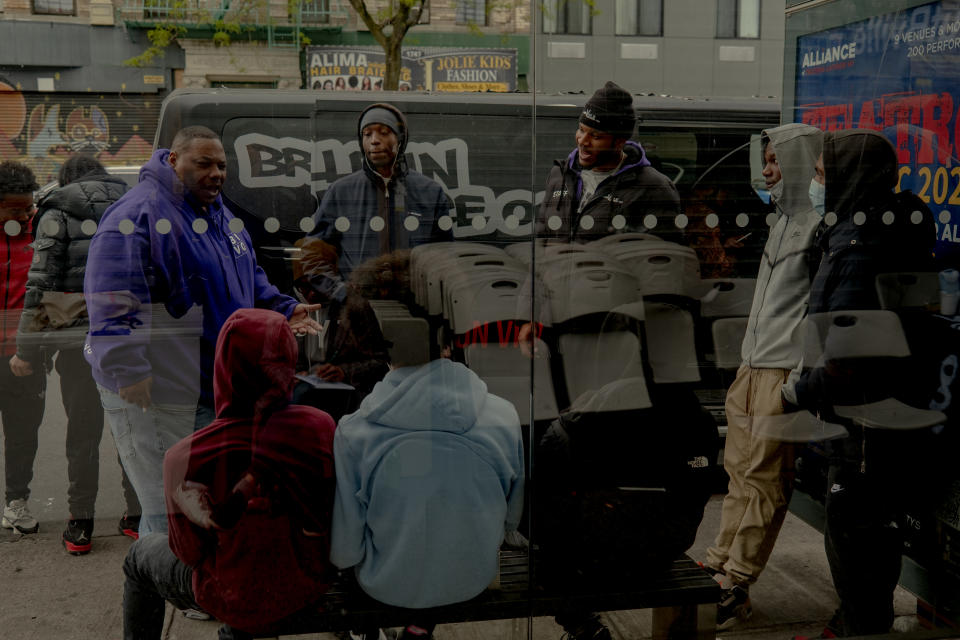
[(67, 217), (773, 336), (633, 192)]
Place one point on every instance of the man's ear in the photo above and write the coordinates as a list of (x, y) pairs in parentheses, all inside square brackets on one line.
[(172, 159), (618, 143)]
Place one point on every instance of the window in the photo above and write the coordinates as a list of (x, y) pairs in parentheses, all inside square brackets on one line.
[(54, 7), (566, 16), (738, 18), (315, 11), (472, 12), (639, 17)]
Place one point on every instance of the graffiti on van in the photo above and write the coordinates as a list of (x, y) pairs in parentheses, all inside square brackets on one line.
[(269, 162), (42, 130)]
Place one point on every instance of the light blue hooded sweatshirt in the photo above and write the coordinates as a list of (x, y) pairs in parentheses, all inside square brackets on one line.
[(429, 479)]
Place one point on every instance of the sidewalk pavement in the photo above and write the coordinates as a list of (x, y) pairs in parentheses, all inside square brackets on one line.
[(48, 594)]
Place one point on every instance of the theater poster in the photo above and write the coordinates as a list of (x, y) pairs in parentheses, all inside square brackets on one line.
[(333, 68), (898, 73)]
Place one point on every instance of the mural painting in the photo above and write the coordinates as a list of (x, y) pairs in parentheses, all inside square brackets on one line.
[(42, 130)]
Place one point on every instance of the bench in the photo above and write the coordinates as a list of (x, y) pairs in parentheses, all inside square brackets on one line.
[(684, 603)]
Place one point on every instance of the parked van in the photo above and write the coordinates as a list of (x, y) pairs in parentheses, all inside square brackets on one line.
[(492, 156)]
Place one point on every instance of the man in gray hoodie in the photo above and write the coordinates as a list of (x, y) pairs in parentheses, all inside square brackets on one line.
[(758, 460)]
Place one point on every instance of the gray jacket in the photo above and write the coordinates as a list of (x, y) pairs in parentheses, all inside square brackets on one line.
[(790, 256), (68, 218)]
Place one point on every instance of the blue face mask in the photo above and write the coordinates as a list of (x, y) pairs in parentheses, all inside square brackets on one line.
[(818, 195)]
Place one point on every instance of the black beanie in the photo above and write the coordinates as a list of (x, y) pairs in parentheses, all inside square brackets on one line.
[(610, 110)]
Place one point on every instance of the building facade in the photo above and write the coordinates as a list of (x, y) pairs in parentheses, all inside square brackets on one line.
[(712, 48)]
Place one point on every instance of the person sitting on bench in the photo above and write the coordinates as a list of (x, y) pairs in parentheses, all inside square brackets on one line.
[(429, 481), (249, 497)]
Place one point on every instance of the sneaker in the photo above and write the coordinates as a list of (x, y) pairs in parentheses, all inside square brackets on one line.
[(78, 536), (17, 516), (129, 526), (413, 632), (832, 630), (734, 606), (195, 614)]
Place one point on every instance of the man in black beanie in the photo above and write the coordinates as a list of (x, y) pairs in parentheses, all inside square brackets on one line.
[(606, 185), (384, 206)]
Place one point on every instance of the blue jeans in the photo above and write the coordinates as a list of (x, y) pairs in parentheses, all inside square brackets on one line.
[(153, 575), (142, 438)]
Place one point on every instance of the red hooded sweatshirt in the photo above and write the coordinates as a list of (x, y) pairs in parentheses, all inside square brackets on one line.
[(15, 256), (264, 568)]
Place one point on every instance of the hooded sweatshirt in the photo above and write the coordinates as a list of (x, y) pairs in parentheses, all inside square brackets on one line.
[(429, 479), (156, 274), (407, 197), (264, 568), (773, 339), (860, 172), (634, 191), (16, 253)]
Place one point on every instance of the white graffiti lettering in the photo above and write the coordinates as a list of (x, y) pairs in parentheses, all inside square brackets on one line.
[(268, 162)]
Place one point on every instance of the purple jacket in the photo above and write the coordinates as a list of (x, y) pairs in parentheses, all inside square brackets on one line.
[(158, 291)]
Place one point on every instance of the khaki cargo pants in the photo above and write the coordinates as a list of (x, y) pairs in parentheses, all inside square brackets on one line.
[(761, 477)]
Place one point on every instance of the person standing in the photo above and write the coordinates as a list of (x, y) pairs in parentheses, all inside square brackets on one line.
[(384, 206), (21, 395), (874, 473), (168, 264), (54, 321), (761, 469), (606, 185)]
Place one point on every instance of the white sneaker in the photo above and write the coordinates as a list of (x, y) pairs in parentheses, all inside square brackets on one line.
[(17, 516)]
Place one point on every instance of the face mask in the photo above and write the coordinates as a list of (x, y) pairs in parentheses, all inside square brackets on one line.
[(818, 195), (776, 191)]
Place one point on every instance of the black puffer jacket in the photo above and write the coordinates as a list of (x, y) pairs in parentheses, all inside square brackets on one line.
[(68, 218)]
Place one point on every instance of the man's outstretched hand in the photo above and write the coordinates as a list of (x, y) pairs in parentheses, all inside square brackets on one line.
[(300, 321)]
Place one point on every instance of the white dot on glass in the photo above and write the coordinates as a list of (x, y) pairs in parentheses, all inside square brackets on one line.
[(587, 222), (271, 225), (944, 217), (681, 221), (51, 227), (89, 227), (445, 223), (712, 220), (859, 218), (126, 227), (342, 224), (512, 222), (200, 226), (235, 225), (888, 217), (12, 228), (650, 221), (307, 224), (377, 224), (742, 220), (916, 217), (410, 223), (163, 226), (554, 223), (771, 219), (830, 219), (618, 222), (479, 223)]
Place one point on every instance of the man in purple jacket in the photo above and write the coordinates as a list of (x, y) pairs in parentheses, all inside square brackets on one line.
[(167, 266)]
